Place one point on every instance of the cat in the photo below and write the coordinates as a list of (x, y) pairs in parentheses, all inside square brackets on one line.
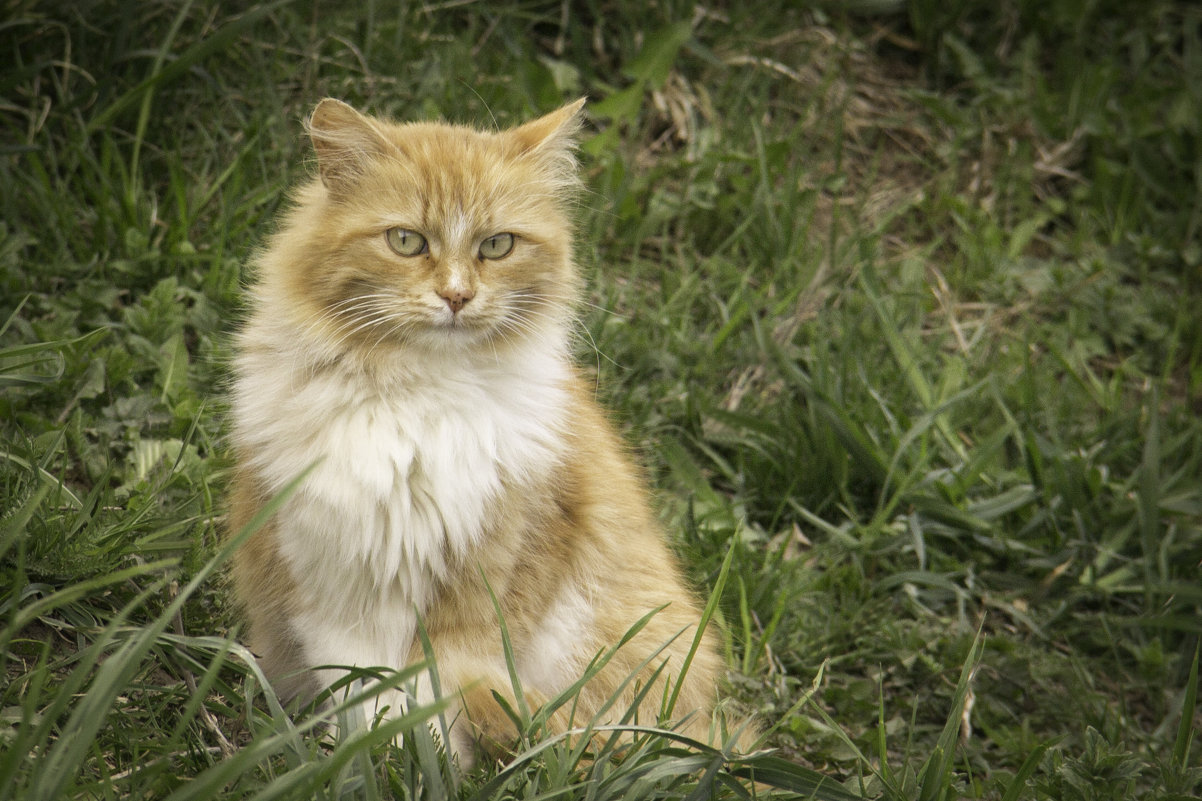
[(408, 339)]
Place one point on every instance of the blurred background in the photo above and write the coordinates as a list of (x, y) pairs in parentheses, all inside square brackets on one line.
[(896, 301)]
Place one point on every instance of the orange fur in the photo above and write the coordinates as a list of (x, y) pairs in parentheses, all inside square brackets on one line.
[(457, 450)]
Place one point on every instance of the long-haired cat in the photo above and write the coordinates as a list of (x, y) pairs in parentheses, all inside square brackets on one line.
[(408, 340)]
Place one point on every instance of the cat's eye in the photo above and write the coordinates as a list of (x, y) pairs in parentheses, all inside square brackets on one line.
[(496, 246), (405, 242)]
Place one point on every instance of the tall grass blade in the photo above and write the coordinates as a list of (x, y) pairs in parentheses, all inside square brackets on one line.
[(1018, 784), (907, 359), (785, 775), (426, 751), (935, 773), (14, 524), (21, 365), (707, 614), (1185, 729), (1148, 497), (511, 664), (147, 96)]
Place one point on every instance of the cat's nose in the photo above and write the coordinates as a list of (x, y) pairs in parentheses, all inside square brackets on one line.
[(457, 298)]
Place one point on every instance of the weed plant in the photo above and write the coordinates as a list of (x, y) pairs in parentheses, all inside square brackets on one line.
[(897, 301)]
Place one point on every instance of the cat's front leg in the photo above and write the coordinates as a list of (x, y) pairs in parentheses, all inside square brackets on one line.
[(336, 641), (486, 723), (482, 704)]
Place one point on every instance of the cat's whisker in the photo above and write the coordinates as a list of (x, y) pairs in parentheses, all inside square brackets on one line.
[(366, 324), (530, 314), (348, 324), (344, 315), (492, 343), (338, 311), (601, 309), (523, 300), (400, 323), (365, 314), (343, 342), (355, 299)]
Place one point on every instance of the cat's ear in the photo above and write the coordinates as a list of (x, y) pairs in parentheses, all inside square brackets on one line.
[(345, 142), (552, 136)]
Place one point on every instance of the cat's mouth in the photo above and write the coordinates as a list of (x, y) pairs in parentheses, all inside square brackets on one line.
[(455, 321), (460, 328)]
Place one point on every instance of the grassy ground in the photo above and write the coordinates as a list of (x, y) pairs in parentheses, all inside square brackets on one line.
[(898, 302)]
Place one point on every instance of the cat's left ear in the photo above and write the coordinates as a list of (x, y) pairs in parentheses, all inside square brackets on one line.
[(552, 134)]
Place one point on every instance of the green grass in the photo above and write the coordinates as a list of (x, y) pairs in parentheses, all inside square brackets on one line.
[(898, 302)]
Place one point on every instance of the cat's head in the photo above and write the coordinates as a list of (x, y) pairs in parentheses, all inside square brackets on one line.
[(433, 234)]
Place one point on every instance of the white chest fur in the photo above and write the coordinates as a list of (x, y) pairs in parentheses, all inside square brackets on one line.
[(404, 470)]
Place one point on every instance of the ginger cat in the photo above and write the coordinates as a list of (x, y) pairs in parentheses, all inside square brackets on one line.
[(409, 336)]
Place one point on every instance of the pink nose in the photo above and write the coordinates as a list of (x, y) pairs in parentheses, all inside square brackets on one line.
[(457, 299)]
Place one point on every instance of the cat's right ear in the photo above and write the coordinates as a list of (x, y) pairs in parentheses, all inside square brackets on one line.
[(345, 143)]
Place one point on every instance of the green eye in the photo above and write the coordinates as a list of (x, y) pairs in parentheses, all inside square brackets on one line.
[(405, 242), (496, 246)]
